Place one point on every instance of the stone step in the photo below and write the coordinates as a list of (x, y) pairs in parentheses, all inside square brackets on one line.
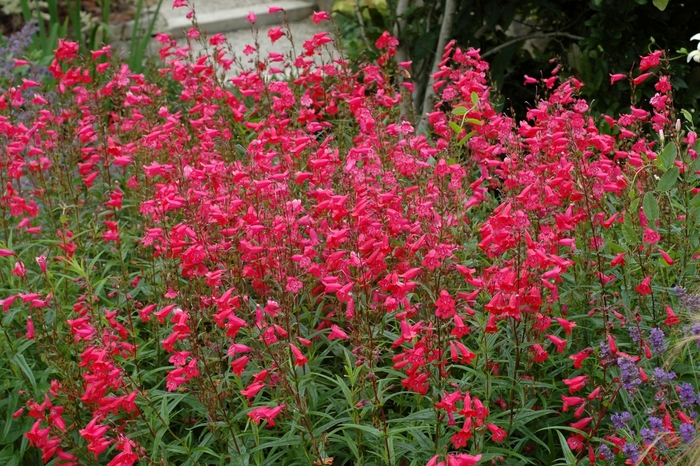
[(174, 22)]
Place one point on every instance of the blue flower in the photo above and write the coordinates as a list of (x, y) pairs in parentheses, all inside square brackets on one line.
[(629, 375), (631, 451), (606, 453), (687, 432), (620, 420), (657, 340), (686, 393)]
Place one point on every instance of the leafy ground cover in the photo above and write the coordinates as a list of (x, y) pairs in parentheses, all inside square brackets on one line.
[(276, 269)]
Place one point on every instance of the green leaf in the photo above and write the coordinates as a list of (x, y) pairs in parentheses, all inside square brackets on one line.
[(629, 234), (568, 454), (634, 204), (474, 121), (368, 429), (465, 138), (459, 111), (687, 115), (661, 4), (457, 129), (475, 99), (668, 180), (695, 201), (651, 208), (668, 155), (24, 367)]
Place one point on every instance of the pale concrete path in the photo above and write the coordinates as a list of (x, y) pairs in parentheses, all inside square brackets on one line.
[(229, 17)]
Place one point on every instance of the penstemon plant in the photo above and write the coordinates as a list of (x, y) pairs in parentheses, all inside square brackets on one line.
[(256, 260)]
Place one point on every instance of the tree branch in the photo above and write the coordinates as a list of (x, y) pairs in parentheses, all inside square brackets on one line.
[(361, 20), (448, 19), (537, 35)]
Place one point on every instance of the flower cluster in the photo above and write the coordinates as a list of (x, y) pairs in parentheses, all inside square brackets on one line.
[(275, 266)]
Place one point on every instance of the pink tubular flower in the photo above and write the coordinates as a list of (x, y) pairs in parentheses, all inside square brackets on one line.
[(7, 302), (560, 343), (445, 305), (336, 332), (66, 50), (618, 260), (650, 61), (319, 16), (251, 17), (251, 390), (641, 78), (616, 77), (570, 401), (498, 433), (577, 383), (30, 329), (19, 270), (644, 288), (666, 257), (463, 460), (275, 34), (41, 260), (671, 318), (94, 434), (265, 413), (651, 236), (567, 325), (540, 354), (299, 358)]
